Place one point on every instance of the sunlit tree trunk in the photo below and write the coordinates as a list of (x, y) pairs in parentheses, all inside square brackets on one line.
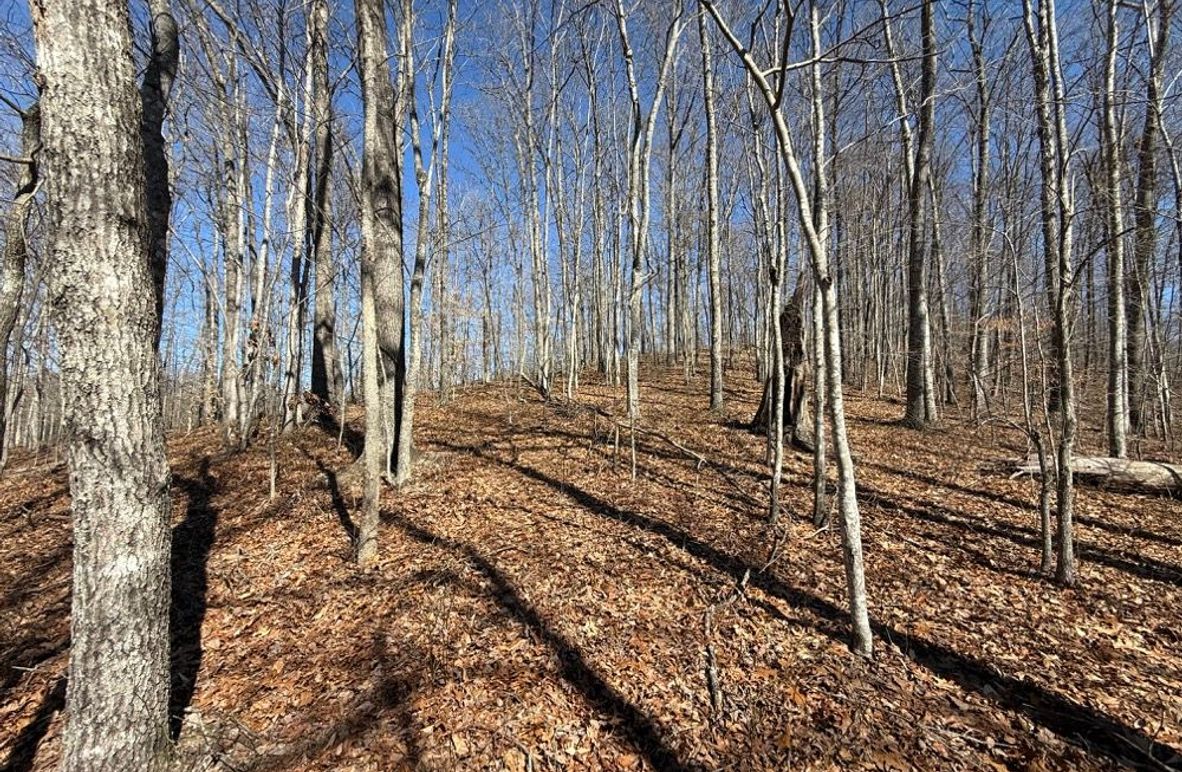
[(713, 260), (105, 316), (851, 521), (381, 260), (1117, 331)]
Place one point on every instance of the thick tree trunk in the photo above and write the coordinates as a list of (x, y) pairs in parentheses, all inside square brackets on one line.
[(105, 314), (1119, 473), (791, 340), (920, 397), (381, 263), (1145, 217)]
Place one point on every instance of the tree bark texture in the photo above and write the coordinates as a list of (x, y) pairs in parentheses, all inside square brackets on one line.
[(104, 310)]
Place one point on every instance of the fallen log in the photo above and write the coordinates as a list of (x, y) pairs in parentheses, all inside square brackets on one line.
[(1118, 473)]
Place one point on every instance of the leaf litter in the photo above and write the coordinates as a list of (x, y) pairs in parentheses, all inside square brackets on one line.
[(537, 608)]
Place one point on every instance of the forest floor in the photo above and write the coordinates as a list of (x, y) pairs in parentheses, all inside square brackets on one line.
[(537, 608)]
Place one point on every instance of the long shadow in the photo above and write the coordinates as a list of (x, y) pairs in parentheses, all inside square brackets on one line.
[(1076, 723), (339, 506), (641, 731), (34, 649), (352, 439), (738, 500), (1017, 503), (392, 692), (1141, 567), (338, 502), (192, 540), (24, 750)]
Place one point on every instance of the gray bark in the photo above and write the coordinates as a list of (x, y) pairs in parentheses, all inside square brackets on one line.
[(12, 270), (105, 316), (862, 642), (326, 364), (1117, 330), (712, 205), (381, 262), (1145, 215)]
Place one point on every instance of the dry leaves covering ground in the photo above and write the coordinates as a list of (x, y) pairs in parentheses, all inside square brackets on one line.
[(536, 608)]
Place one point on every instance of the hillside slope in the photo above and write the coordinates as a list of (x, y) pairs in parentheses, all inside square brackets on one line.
[(536, 608)]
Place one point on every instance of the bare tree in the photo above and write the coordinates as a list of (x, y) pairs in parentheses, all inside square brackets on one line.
[(713, 259), (425, 170), (12, 270), (1058, 211), (1145, 208), (807, 210), (381, 259), (640, 149), (327, 381), (154, 91), (105, 317), (1118, 406), (921, 403)]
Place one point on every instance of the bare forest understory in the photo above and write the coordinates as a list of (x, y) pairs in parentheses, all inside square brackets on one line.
[(536, 608)]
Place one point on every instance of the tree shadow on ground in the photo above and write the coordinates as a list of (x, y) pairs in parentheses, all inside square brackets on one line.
[(1136, 565), (192, 540), (1077, 724), (1001, 498), (644, 734), (351, 438), (391, 693), (24, 750)]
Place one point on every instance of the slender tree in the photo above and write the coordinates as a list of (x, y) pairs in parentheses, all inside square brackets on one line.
[(823, 274), (1118, 406), (154, 91), (713, 258), (16, 250)]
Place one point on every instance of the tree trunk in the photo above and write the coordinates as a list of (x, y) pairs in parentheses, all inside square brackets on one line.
[(12, 270), (1118, 473), (1145, 215), (1117, 345), (326, 365), (712, 206), (154, 91), (105, 314), (381, 263), (920, 396), (1057, 214), (851, 532), (980, 235)]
